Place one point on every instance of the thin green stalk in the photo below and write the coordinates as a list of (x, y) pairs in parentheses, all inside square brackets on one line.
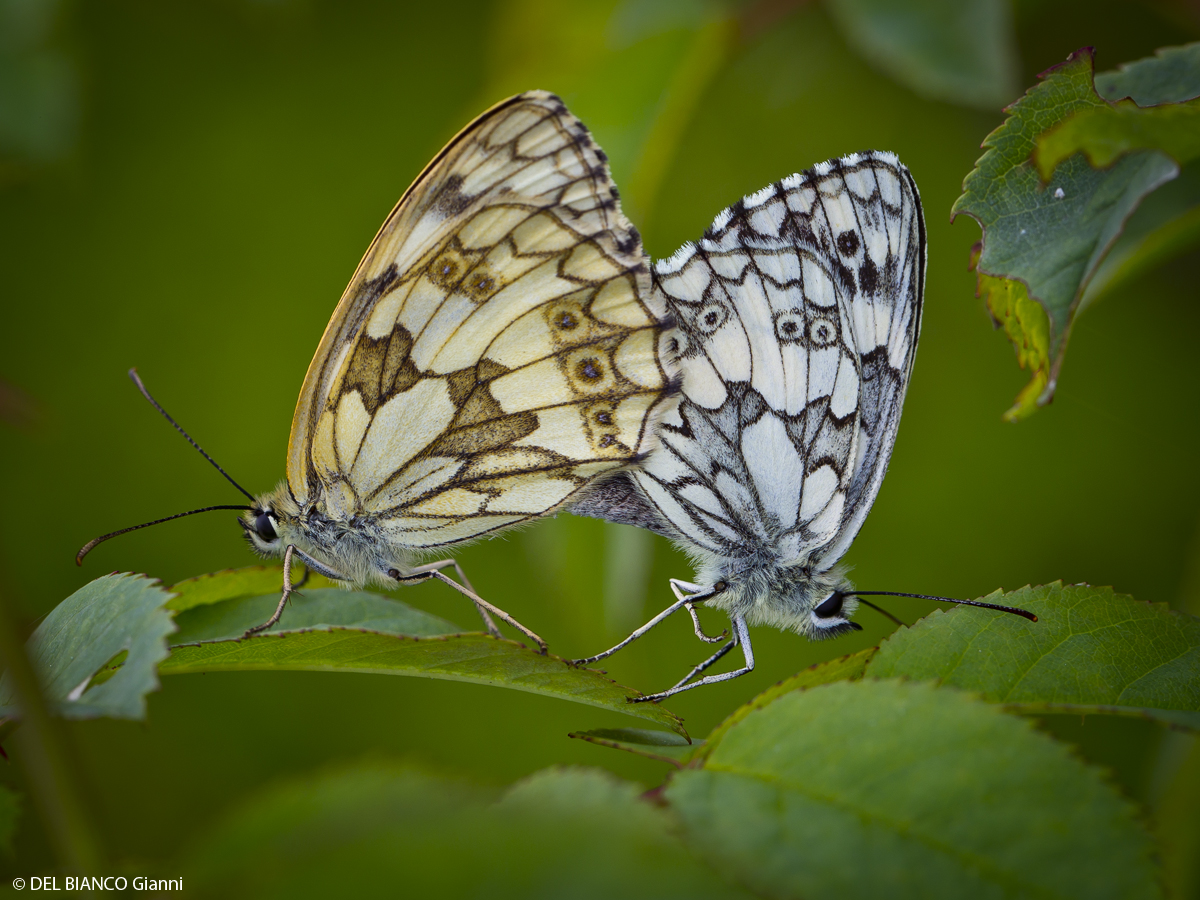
[(43, 755)]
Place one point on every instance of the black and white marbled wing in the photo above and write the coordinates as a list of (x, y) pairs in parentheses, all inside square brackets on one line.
[(798, 314)]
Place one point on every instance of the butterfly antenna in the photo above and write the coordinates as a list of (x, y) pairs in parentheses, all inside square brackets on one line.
[(87, 548), (1016, 611), (878, 609), (145, 393)]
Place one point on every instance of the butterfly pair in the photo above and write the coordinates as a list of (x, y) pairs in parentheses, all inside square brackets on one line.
[(504, 350)]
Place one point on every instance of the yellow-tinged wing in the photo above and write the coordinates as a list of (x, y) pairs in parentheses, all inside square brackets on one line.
[(495, 350)]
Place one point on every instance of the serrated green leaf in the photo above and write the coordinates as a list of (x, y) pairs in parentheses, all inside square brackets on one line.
[(663, 746), (845, 668), (1028, 328), (1168, 221), (389, 829), (1166, 225), (1107, 133), (891, 789), (962, 51), (231, 584), (310, 609), (1053, 237), (1091, 651), (476, 658), (1171, 75), (111, 615)]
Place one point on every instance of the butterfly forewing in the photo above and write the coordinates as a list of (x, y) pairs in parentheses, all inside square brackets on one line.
[(798, 315), (497, 347)]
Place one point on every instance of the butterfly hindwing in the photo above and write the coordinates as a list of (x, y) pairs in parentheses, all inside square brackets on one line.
[(798, 314), (497, 347)]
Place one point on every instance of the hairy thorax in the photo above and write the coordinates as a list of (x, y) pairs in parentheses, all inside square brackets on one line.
[(769, 591), (355, 548)]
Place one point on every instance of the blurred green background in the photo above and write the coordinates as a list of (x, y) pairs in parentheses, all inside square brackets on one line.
[(187, 187)]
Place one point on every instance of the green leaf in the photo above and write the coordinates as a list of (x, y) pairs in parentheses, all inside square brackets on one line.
[(320, 608), (1028, 328), (389, 829), (1171, 75), (231, 584), (962, 51), (476, 658), (1166, 225), (1107, 133), (1168, 221), (845, 668), (10, 812), (670, 748), (663, 746), (891, 789), (1090, 651), (112, 615), (1052, 237), (598, 839)]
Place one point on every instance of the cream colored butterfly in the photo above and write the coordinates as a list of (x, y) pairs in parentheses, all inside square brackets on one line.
[(495, 352)]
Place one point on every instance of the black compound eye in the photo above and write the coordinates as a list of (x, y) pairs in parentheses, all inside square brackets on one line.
[(264, 528), (829, 607)]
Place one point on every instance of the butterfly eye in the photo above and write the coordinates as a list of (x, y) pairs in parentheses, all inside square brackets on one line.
[(829, 607), (264, 528)]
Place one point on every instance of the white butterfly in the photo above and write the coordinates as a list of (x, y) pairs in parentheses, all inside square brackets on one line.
[(797, 317), (496, 351)]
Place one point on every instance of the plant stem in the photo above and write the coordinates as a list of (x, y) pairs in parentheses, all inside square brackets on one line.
[(44, 757)]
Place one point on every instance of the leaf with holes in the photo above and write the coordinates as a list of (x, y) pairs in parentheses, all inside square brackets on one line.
[(114, 615)]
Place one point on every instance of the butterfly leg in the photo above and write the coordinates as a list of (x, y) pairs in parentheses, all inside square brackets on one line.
[(488, 621), (425, 572), (678, 587), (741, 636), (288, 587), (729, 645), (303, 581), (691, 608)]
